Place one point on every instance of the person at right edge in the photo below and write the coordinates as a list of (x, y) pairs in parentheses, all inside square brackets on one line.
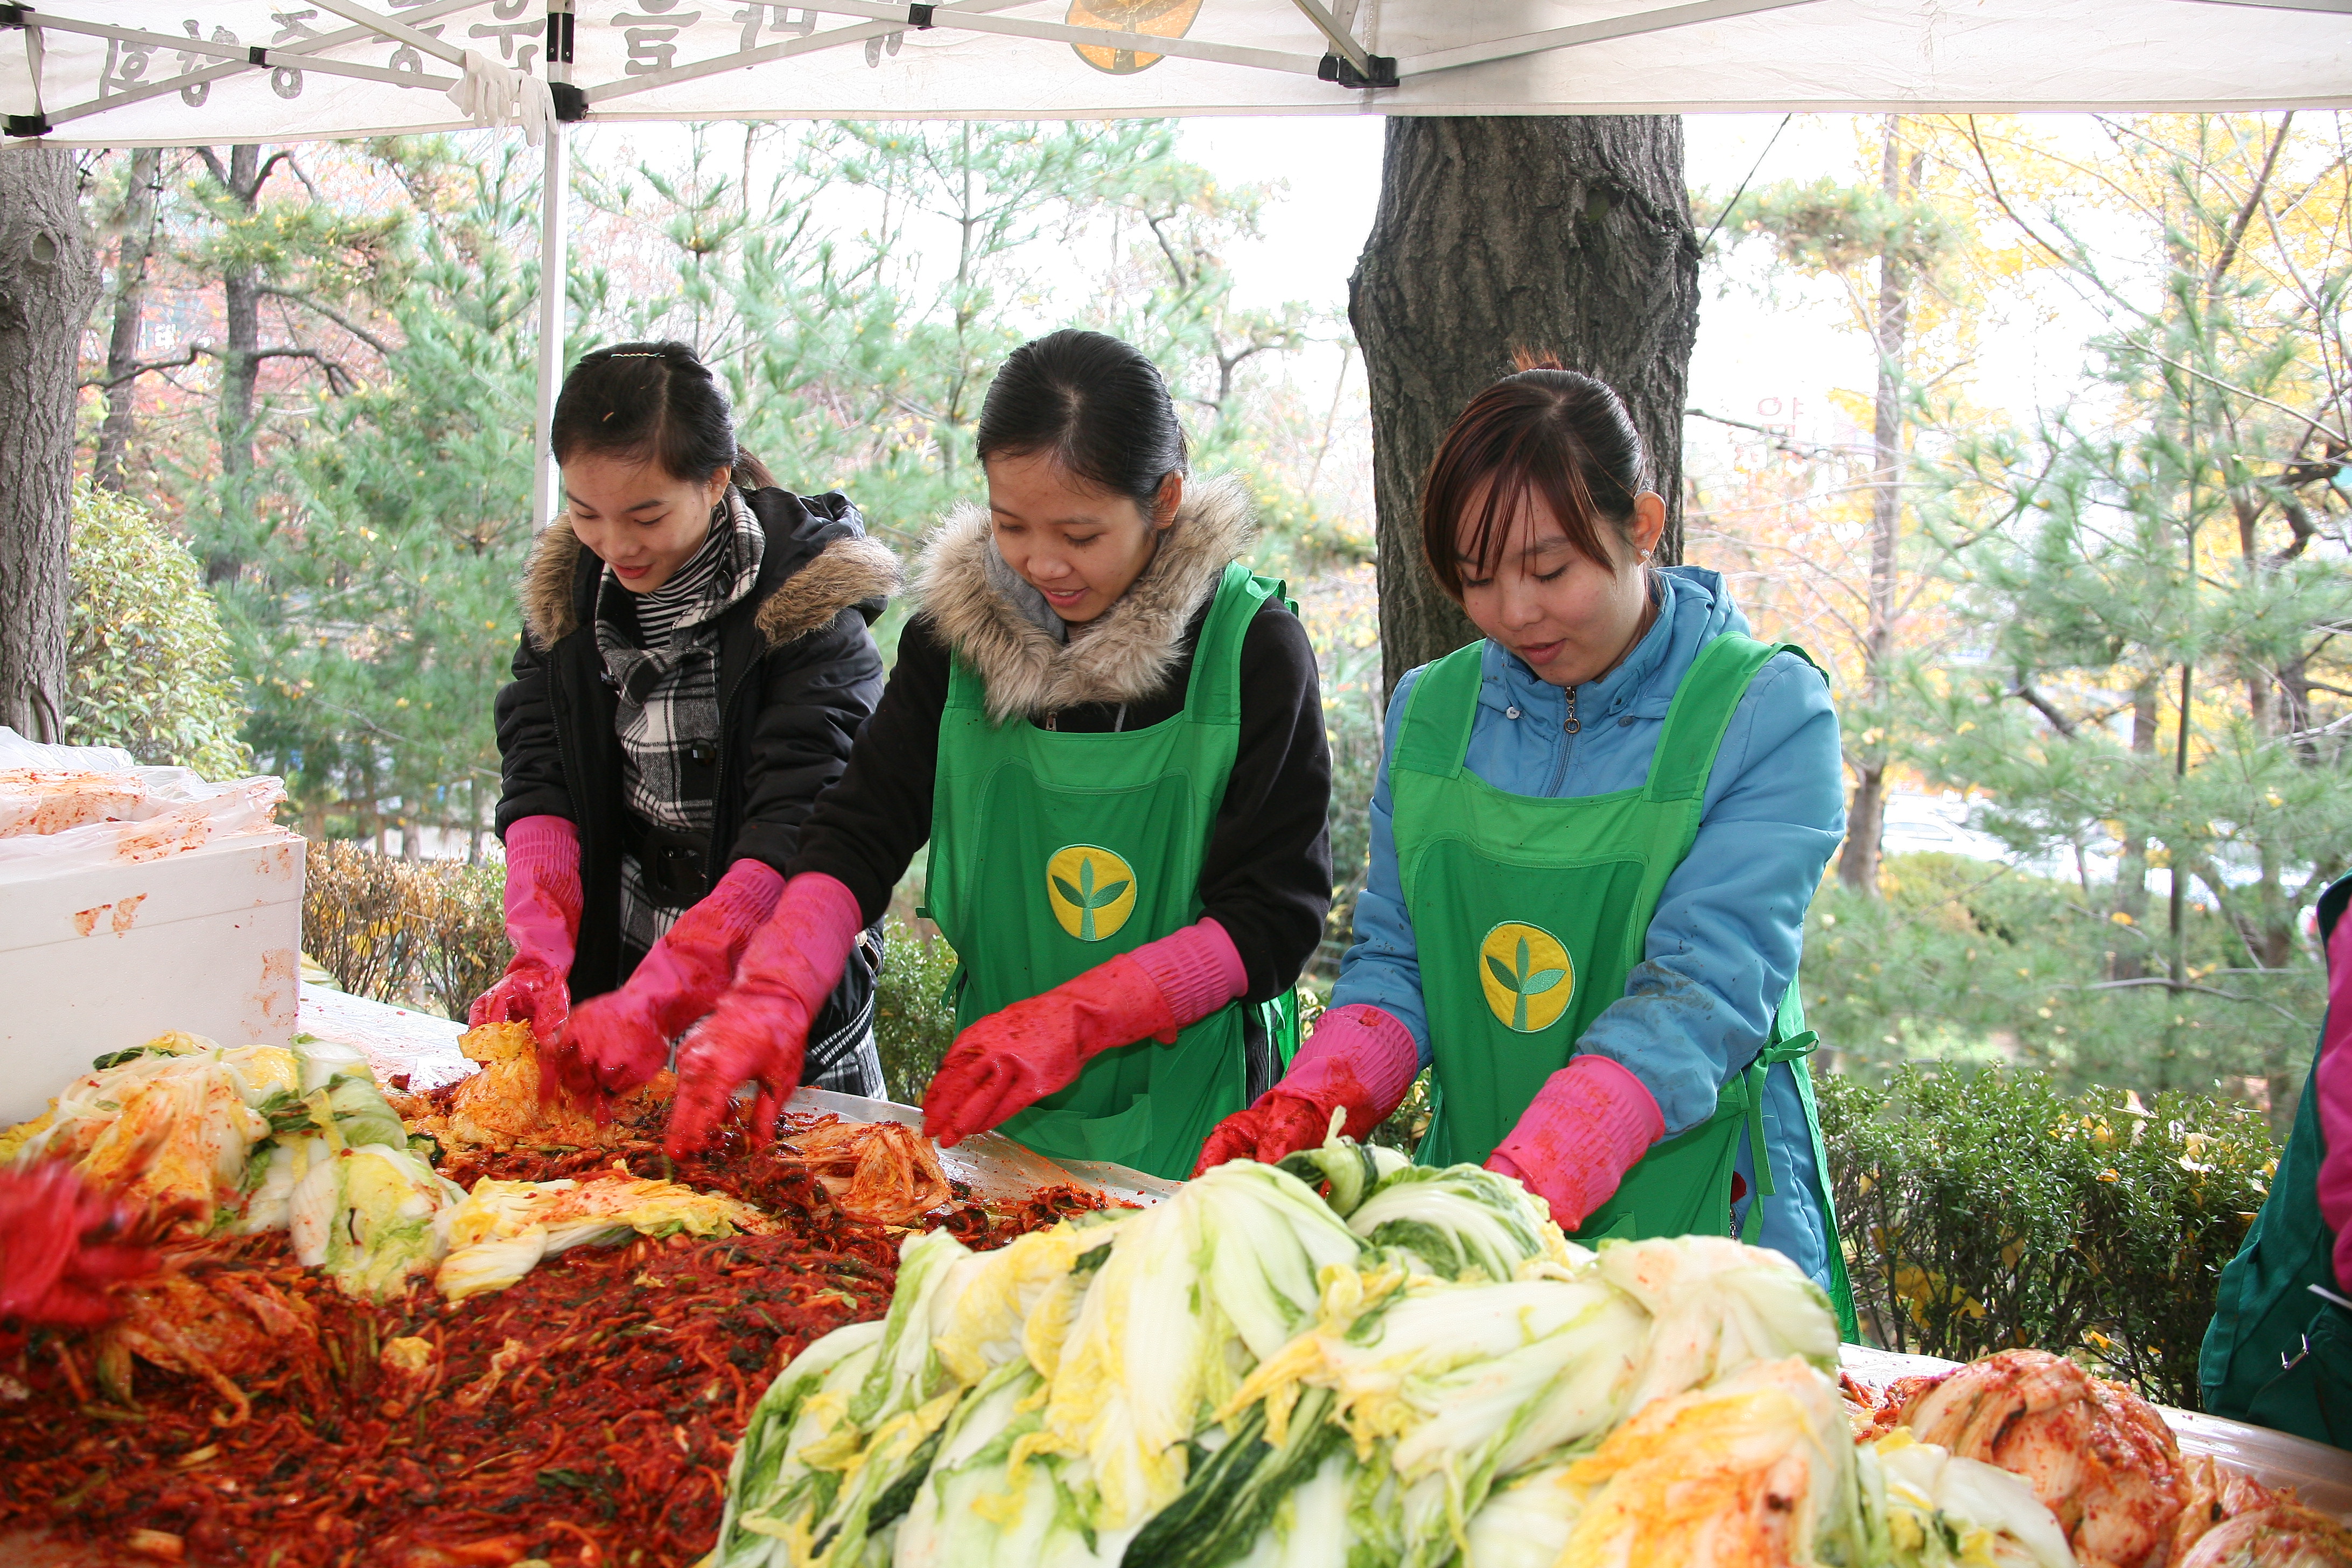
[(1594, 836), (2278, 1352)]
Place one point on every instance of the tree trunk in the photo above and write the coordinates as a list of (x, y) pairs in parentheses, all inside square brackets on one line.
[(129, 307), (1566, 234), (1865, 817), (240, 374), (48, 281), (2130, 962)]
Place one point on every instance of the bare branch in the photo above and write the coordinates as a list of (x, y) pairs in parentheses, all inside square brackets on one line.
[(146, 367), (2024, 692), (261, 176), (1774, 438), (339, 380), (2246, 211), (2316, 426), (297, 296), (2185, 985)]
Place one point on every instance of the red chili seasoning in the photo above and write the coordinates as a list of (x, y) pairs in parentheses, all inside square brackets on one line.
[(585, 1415)]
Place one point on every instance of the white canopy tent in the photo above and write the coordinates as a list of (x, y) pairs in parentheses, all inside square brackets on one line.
[(119, 73)]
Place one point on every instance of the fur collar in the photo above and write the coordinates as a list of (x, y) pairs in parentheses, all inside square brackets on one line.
[(1125, 657), (847, 572)]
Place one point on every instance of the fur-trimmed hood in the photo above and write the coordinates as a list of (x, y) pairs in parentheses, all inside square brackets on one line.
[(845, 570), (1125, 657)]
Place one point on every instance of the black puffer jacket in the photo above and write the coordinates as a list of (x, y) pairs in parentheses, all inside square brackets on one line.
[(798, 674)]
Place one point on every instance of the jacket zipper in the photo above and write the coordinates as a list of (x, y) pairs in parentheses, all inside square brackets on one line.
[(1569, 727)]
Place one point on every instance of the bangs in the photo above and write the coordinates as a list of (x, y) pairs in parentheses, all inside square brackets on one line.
[(1504, 455)]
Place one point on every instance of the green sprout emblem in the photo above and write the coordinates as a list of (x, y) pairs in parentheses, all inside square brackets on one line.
[(1522, 984), (1086, 897)]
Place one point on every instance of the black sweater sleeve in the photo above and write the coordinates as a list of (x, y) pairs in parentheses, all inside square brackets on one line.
[(1268, 875), (817, 692), (531, 763), (866, 829)]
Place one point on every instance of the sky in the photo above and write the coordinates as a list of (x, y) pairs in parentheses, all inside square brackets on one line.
[(1768, 361), (1761, 358)]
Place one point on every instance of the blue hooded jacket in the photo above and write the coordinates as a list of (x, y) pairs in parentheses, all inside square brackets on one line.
[(1725, 941)]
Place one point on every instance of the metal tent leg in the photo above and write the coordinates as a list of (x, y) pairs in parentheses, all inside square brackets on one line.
[(553, 270)]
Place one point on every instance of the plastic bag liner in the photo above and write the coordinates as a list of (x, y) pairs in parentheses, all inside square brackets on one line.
[(64, 808), (2321, 1476)]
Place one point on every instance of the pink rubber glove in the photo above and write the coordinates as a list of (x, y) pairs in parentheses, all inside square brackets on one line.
[(2333, 1078), (1586, 1127), (759, 1030), (1011, 1059), (543, 899), (619, 1040), (1359, 1058)]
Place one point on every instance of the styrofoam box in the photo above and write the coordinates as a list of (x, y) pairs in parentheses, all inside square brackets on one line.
[(96, 959)]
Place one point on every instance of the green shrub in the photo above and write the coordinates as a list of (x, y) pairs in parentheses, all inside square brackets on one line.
[(1984, 1209), (430, 935), (914, 1021), (147, 665), (356, 921), (461, 946)]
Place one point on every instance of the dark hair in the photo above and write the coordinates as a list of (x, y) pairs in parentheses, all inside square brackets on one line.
[(654, 402), (1558, 434), (1096, 403)]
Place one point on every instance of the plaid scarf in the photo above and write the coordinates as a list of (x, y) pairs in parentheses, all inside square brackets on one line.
[(669, 695)]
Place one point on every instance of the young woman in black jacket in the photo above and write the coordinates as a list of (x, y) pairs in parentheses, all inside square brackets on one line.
[(1110, 732), (694, 666)]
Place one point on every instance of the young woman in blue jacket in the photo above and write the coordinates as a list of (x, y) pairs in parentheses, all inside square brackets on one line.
[(1594, 836)]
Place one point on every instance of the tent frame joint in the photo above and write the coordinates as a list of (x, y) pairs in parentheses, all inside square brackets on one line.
[(920, 18), (15, 16), (571, 102), (1339, 68), (25, 125)]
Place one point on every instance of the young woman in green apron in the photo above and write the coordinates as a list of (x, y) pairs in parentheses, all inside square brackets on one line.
[(1110, 732), (2278, 1352), (1594, 836)]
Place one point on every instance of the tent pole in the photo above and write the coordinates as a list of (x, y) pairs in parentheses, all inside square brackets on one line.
[(554, 269)]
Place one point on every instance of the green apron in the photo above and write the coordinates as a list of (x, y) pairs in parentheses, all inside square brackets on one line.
[(2278, 1355), (1531, 912), (1053, 852)]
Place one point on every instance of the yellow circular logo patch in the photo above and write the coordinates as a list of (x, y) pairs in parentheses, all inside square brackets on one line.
[(1528, 977), (1092, 890)]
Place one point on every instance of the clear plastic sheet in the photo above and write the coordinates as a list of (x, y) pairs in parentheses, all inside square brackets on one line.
[(67, 808), (2321, 1476)]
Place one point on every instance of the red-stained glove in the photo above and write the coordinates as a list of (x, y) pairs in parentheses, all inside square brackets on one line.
[(56, 1257), (1359, 1058), (542, 899), (1011, 1059), (759, 1030), (1586, 1127), (2331, 1086), (617, 1042)]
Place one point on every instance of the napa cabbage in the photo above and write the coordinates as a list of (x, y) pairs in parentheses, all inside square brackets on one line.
[(1944, 1511), (1462, 1222)]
